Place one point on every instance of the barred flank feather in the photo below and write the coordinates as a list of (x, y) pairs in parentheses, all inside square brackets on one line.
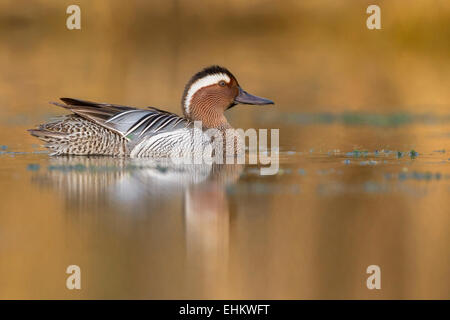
[(77, 136), (104, 129)]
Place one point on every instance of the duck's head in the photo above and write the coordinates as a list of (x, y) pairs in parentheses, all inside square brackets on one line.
[(212, 91)]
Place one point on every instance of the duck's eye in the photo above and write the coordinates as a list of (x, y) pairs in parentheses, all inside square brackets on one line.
[(222, 83)]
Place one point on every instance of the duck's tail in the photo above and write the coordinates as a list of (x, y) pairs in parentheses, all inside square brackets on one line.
[(56, 140), (75, 135)]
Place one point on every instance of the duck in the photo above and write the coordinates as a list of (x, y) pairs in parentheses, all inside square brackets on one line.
[(106, 129)]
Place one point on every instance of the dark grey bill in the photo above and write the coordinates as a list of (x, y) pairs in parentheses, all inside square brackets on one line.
[(247, 98)]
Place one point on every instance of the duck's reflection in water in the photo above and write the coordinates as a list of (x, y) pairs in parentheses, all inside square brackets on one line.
[(140, 187)]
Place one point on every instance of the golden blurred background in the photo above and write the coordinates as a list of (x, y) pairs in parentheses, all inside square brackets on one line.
[(310, 233), (307, 55)]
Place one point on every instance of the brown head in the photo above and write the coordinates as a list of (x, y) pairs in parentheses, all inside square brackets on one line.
[(212, 91)]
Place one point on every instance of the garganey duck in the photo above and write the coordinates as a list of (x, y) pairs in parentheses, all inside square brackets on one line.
[(115, 130)]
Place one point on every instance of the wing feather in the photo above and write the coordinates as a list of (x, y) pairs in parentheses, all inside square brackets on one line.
[(129, 122)]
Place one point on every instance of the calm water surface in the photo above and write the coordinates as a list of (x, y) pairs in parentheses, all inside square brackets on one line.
[(140, 229)]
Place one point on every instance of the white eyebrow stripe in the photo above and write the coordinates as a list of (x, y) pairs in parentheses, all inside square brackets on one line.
[(201, 83)]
